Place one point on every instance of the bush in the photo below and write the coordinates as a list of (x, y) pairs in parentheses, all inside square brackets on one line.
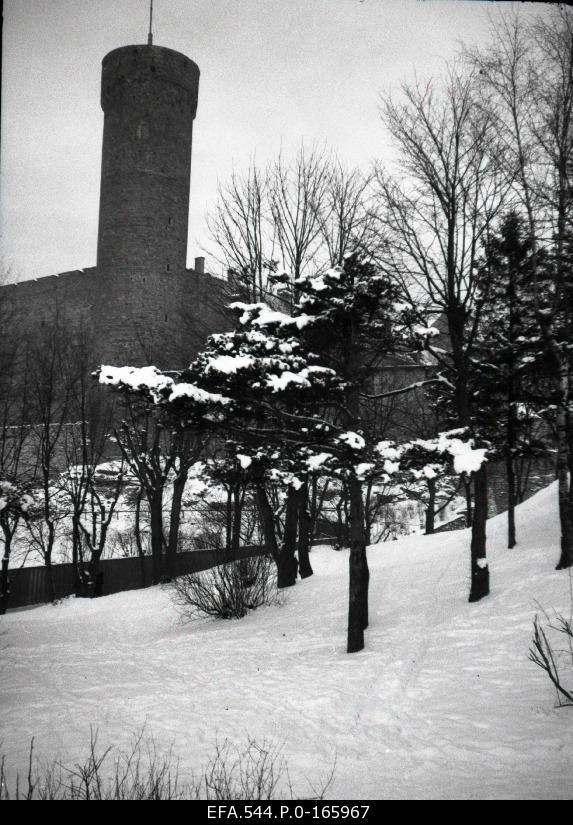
[(227, 591), (255, 772), (137, 774), (552, 659)]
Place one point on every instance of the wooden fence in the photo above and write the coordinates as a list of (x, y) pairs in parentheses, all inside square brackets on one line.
[(30, 584)]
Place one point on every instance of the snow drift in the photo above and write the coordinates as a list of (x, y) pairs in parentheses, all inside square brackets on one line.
[(442, 703)]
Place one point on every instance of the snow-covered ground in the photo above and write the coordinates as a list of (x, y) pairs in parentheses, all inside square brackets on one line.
[(442, 703)]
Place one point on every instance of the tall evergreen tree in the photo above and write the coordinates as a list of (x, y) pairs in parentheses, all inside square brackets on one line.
[(505, 375)]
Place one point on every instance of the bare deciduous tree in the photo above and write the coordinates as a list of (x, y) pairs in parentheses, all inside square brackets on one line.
[(241, 228), (297, 192), (434, 222)]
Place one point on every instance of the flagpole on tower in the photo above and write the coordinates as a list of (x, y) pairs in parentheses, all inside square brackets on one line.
[(150, 35)]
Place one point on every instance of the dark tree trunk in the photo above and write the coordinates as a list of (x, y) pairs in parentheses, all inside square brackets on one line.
[(52, 596), (76, 544), (237, 519), (478, 518), (564, 366), (315, 507), (469, 503), (511, 500), (137, 530), (339, 524), (570, 457), (479, 568), (343, 519), (287, 567), (96, 576), (267, 524), (4, 585), (431, 508), (174, 524), (4, 570), (304, 534), (512, 424), (358, 570), (563, 480), (156, 524), (368, 518), (229, 520), (287, 564)]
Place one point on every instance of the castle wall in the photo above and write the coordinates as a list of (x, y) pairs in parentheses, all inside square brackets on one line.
[(163, 320), (30, 306)]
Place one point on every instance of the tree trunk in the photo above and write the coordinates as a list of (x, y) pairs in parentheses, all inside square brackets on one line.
[(511, 500), (358, 571), (431, 508), (137, 531), (237, 519), (512, 423), (51, 585), (4, 568), (287, 564), (304, 533), (76, 543), (267, 523), (564, 491), (469, 504), (96, 576), (229, 520), (479, 568), (156, 524), (478, 518), (174, 524), (368, 515), (570, 456), (4, 584)]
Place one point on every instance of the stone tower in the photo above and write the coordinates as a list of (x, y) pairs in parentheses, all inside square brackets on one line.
[(149, 98)]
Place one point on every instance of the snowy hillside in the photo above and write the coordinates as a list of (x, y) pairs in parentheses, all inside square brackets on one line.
[(442, 703)]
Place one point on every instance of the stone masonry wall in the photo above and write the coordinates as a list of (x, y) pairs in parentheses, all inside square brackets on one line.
[(163, 320)]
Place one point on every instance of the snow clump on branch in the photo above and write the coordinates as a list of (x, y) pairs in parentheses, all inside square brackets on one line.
[(159, 386), (260, 315)]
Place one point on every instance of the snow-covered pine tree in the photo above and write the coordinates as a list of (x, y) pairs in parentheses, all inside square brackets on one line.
[(280, 394), (285, 392), (165, 428), (355, 315)]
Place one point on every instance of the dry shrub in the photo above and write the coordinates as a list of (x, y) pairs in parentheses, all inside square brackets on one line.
[(256, 771), (227, 591)]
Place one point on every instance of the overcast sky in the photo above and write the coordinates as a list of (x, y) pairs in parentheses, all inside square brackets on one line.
[(273, 73)]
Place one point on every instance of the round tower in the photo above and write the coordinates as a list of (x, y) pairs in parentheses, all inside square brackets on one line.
[(149, 98)]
